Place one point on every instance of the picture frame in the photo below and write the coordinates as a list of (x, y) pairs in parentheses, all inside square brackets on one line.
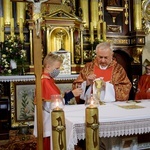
[(22, 103)]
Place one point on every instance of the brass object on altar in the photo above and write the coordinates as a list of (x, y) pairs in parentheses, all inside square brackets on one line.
[(58, 129), (92, 128)]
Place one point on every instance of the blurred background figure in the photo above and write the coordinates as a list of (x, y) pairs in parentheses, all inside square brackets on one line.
[(143, 90)]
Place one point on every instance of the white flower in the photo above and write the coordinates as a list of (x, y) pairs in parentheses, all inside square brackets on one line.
[(6, 66), (4, 56), (9, 71)]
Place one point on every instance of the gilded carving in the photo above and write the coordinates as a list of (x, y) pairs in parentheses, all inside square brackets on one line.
[(126, 6), (114, 28), (137, 52), (119, 41), (146, 15), (100, 11)]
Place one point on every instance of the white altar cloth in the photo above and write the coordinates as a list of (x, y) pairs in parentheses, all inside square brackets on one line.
[(114, 121)]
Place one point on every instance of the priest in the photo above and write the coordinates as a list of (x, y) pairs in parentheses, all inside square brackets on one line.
[(115, 83)]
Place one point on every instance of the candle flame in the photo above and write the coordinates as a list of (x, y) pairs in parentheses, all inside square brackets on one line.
[(92, 102), (57, 103)]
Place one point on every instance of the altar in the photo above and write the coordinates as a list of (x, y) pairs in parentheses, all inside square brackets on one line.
[(117, 119)]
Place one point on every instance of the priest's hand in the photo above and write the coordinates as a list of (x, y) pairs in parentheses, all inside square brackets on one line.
[(77, 92), (90, 79)]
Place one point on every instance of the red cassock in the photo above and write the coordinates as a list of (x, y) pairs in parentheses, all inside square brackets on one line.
[(143, 86), (48, 88)]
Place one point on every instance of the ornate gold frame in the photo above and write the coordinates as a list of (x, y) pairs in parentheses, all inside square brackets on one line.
[(20, 94)]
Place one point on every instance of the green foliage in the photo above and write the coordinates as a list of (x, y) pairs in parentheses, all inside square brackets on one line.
[(26, 112), (12, 49)]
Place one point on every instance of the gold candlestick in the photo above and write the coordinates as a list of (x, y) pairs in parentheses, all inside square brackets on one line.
[(104, 31), (58, 125), (12, 27), (21, 29), (91, 32), (98, 30), (92, 126), (1, 29)]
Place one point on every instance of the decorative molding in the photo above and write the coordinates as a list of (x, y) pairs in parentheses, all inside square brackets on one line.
[(32, 78)]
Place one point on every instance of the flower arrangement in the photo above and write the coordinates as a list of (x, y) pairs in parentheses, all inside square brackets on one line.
[(13, 56)]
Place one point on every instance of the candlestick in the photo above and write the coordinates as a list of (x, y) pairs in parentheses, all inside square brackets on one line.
[(58, 124), (1, 29), (92, 127), (21, 29), (104, 31), (91, 32), (12, 27)]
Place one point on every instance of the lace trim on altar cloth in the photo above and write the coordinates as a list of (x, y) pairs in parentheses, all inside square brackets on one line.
[(112, 129)]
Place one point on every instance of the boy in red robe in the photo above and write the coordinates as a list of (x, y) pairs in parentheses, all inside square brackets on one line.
[(51, 70)]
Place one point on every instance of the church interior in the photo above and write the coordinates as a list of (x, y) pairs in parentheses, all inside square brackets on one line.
[(72, 29)]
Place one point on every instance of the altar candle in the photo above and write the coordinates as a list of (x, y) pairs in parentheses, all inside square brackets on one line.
[(98, 30), (1, 29), (91, 32), (104, 31), (92, 127), (57, 105), (12, 27), (21, 29), (58, 129)]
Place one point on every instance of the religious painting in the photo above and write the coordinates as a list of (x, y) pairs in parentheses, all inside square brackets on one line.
[(22, 103)]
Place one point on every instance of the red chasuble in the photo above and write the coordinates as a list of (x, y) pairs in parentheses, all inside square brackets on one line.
[(106, 74)]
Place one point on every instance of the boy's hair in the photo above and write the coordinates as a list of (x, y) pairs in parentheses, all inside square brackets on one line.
[(50, 58)]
